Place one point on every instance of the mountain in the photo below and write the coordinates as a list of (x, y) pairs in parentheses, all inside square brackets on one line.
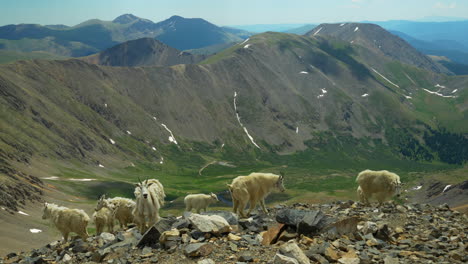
[(316, 107), (301, 30), (449, 49), (260, 28), (96, 35), (143, 52), (431, 31), (377, 42)]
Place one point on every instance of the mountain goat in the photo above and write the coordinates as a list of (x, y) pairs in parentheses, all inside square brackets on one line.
[(382, 184), (253, 189), (149, 198), (67, 220), (102, 218), (122, 209), (199, 201)]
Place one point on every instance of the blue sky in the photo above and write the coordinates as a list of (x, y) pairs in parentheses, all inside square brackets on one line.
[(228, 12)]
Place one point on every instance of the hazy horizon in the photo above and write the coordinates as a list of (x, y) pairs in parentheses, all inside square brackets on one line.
[(232, 13)]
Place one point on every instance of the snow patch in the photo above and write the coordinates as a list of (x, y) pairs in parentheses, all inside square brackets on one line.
[(34, 230), (155, 118), (132, 164), (245, 41), (3, 208), (454, 91), (240, 123), (82, 180), (51, 178), (316, 32), (408, 97), (320, 96), (247, 46), (112, 141), (446, 187), (297, 130), (23, 213), (303, 72), (439, 94), (128, 132), (324, 91), (222, 146), (342, 24), (385, 78), (153, 148), (162, 160), (356, 29), (440, 86), (365, 95), (101, 166), (105, 105), (171, 138), (417, 188)]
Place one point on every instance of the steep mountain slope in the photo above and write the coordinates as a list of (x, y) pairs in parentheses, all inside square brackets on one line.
[(96, 35), (143, 52), (378, 41), (312, 98)]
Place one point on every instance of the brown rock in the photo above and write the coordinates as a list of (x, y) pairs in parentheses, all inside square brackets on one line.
[(332, 254), (272, 234)]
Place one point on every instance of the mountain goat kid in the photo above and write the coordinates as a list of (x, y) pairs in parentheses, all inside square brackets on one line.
[(102, 218), (253, 189), (199, 201), (67, 220), (122, 209), (382, 184), (149, 198)]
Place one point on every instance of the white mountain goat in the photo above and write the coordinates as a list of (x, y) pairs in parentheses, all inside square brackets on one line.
[(199, 201), (149, 198), (104, 217), (121, 207), (380, 184), (253, 189), (67, 220)]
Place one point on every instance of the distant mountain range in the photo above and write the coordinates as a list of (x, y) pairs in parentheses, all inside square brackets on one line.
[(96, 35), (143, 52)]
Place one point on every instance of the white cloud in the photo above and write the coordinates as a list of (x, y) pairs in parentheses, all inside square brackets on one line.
[(440, 5)]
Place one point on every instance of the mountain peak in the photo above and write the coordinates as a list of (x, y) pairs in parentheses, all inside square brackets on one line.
[(125, 19)]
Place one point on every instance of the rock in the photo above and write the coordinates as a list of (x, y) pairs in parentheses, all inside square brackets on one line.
[(290, 217), (198, 250), (313, 223), (318, 258), (232, 237), (233, 247), (66, 258), (286, 236), (245, 258), (282, 259), (383, 233), (391, 260), (230, 217), (181, 223), (332, 254), (349, 260), (11, 255), (206, 261), (107, 237), (167, 235), (368, 228), (150, 237), (342, 227), (146, 250), (209, 223), (272, 234), (249, 224), (291, 249), (399, 230)]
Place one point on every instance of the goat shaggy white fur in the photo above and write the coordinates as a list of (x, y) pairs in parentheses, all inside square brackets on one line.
[(67, 220), (253, 189), (121, 207), (149, 199), (380, 184), (199, 201), (104, 218)]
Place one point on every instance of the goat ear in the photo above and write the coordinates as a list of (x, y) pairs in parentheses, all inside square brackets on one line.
[(281, 174), (151, 183)]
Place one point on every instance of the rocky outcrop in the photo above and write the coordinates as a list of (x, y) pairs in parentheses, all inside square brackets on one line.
[(411, 233)]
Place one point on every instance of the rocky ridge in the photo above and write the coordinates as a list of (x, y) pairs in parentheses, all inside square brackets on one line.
[(340, 232)]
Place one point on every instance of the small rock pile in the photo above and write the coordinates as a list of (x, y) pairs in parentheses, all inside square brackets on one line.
[(340, 232)]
